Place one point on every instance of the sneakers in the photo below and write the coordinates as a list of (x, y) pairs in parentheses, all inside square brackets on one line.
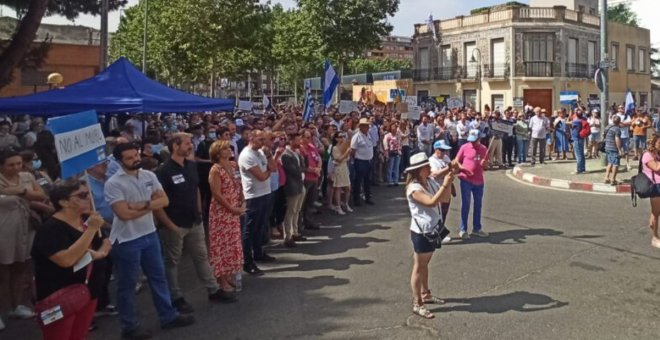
[(179, 321), (252, 270), (223, 296), (338, 210), (479, 233), (446, 240), (137, 334), (109, 310), (21, 312), (182, 306), (348, 209), (464, 235)]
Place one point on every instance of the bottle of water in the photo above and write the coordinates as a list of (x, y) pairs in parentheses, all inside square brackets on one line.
[(239, 282)]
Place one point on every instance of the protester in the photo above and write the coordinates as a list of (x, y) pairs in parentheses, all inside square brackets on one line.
[(7, 139), (625, 124), (392, 147), (363, 152), (227, 207), (341, 153), (651, 169), (522, 132), (561, 135), (640, 124), (539, 126), (133, 194), (44, 147), (60, 246), (255, 169), (578, 124), (32, 164), (473, 158), (183, 230), (441, 166), (594, 138), (425, 136), (613, 150), (423, 197), (294, 165), (311, 179)]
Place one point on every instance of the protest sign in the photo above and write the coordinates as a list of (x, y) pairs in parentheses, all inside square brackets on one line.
[(347, 106), (502, 127), (79, 141), (454, 103), (415, 113), (411, 100), (245, 105)]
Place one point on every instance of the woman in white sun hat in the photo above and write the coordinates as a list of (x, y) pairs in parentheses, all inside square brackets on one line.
[(426, 227)]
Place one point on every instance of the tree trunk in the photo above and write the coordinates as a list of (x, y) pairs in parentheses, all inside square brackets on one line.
[(22, 41)]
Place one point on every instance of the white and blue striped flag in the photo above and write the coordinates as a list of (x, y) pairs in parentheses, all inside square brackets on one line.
[(430, 25), (308, 112), (330, 84), (267, 104), (630, 103)]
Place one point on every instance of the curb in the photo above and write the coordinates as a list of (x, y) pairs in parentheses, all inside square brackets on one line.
[(520, 174)]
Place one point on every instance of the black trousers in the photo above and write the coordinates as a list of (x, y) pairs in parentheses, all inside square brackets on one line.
[(507, 150), (362, 180)]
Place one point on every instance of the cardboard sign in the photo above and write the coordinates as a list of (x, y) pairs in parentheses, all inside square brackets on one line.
[(244, 105), (79, 141), (411, 100), (347, 106), (502, 127), (518, 102), (415, 113), (454, 103)]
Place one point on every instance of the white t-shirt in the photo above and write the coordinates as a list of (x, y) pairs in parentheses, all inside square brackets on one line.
[(427, 218), (625, 130), (462, 129), (439, 164), (363, 146), (539, 126), (252, 187), (425, 133), (594, 124)]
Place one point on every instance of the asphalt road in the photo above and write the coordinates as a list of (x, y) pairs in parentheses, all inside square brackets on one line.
[(558, 265)]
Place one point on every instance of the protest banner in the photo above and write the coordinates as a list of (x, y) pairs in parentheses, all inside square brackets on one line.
[(245, 105), (347, 106), (502, 127), (79, 141), (411, 100), (454, 103), (415, 113)]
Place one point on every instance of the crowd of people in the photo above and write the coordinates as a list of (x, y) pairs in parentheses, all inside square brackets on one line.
[(223, 187)]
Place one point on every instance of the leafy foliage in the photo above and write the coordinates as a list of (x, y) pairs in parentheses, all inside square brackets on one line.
[(622, 13), (361, 65)]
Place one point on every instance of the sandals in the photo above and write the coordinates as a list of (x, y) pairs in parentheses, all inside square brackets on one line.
[(422, 311), (430, 299), (607, 181)]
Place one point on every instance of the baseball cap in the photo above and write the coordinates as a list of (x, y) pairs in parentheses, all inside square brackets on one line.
[(441, 144), (473, 135)]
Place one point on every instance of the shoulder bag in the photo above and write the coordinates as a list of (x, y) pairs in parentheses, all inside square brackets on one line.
[(64, 302), (641, 185), (439, 231)]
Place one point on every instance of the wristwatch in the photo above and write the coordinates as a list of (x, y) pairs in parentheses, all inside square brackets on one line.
[(148, 205)]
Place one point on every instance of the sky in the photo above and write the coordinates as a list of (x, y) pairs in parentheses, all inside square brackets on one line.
[(410, 12)]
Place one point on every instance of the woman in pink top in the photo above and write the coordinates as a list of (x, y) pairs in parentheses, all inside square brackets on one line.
[(392, 147), (651, 168), (472, 157)]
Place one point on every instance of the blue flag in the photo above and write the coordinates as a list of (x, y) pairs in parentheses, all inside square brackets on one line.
[(308, 111), (330, 84), (630, 103)]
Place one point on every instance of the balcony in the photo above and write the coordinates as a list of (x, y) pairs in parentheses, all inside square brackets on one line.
[(497, 71), (538, 68), (580, 70), (470, 72), (436, 73)]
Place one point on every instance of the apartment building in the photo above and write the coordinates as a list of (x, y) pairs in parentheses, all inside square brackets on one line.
[(393, 47), (510, 55)]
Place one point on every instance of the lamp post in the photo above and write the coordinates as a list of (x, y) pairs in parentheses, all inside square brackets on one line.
[(477, 60), (144, 37)]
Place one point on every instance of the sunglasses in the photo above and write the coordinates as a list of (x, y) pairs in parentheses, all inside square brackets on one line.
[(83, 195)]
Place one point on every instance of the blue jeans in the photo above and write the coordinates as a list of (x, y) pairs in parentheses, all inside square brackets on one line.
[(255, 220), (522, 145), (469, 190), (393, 169), (578, 147), (129, 256), (362, 179)]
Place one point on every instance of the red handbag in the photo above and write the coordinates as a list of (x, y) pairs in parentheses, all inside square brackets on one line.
[(64, 302)]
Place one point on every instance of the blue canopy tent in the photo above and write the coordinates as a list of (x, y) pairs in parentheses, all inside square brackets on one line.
[(119, 88)]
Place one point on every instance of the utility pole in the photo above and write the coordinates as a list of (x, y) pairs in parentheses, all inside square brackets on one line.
[(144, 37), (103, 60), (604, 95)]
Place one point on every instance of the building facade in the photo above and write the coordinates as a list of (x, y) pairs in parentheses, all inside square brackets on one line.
[(510, 56), (393, 47), (74, 53)]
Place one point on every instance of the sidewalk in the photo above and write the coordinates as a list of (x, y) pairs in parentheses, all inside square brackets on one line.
[(558, 174)]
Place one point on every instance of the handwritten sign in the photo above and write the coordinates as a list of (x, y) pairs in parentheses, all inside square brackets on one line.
[(454, 103), (415, 113), (79, 141), (245, 105), (502, 127), (347, 106), (411, 100)]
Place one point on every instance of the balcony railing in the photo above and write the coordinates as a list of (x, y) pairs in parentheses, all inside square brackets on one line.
[(538, 69), (580, 70), (497, 71), (471, 71), (437, 73)]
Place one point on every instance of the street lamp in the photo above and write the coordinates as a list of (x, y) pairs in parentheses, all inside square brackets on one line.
[(477, 60)]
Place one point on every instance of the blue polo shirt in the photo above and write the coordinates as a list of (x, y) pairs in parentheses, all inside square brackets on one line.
[(101, 205)]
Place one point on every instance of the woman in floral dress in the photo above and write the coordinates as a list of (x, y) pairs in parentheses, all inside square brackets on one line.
[(227, 206)]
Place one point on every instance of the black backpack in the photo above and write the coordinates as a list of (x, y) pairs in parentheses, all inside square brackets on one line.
[(641, 185)]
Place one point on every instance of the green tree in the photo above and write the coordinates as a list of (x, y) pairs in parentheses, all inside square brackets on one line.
[(349, 28), (361, 65), (31, 12)]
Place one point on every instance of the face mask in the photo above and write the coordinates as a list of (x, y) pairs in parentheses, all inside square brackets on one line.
[(213, 135), (155, 148), (36, 164)]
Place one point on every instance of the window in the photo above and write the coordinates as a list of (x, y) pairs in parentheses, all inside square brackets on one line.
[(470, 98), (498, 58), (614, 55), (591, 55), (581, 8), (423, 58), (630, 58), (497, 102), (572, 57), (643, 99), (642, 59), (470, 67), (539, 54)]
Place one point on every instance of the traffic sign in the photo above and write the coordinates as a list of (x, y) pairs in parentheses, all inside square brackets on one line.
[(607, 63)]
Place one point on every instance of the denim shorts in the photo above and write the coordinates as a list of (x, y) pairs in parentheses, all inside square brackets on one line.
[(420, 243), (613, 158), (625, 144), (640, 142), (594, 137)]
